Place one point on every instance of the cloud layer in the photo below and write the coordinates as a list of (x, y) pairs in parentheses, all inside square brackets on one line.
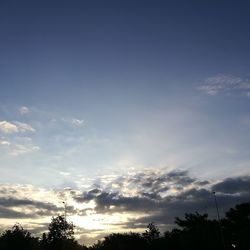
[(122, 203), (225, 84)]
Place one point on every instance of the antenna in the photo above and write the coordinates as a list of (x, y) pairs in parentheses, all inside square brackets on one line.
[(219, 220), (65, 211)]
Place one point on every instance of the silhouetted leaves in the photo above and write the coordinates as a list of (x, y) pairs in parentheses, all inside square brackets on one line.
[(17, 238), (126, 241), (237, 226), (60, 235), (152, 233), (59, 228)]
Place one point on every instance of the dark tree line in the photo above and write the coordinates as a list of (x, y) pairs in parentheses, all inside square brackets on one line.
[(194, 231)]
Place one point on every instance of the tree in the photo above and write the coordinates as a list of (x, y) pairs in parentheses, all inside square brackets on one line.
[(198, 232), (192, 221), (237, 225), (121, 241), (152, 233), (59, 228), (60, 235), (17, 238)]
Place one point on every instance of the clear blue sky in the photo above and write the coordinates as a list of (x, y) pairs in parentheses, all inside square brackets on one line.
[(93, 88)]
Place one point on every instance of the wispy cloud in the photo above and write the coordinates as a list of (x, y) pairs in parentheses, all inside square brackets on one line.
[(19, 149), (17, 146), (24, 127), (64, 173), (4, 143), (15, 127), (77, 122), (23, 110), (225, 84)]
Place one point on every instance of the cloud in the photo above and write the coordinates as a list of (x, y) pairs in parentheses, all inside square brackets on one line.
[(233, 185), (135, 200), (15, 202), (8, 128), (77, 122), (4, 143), (200, 200), (11, 214), (108, 202), (20, 149), (24, 127), (25, 201), (15, 127), (149, 181), (16, 146), (183, 194), (31, 208), (64, 173), (23, 110), (225, 84)]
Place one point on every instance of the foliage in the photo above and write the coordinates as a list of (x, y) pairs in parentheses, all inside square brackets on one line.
[(59, 228), (237, 226), (192, 221), (60, 235), (152, 233), (126, 241), (17, 238)]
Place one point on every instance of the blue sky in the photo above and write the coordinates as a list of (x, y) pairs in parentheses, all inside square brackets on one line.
[(90, 89)]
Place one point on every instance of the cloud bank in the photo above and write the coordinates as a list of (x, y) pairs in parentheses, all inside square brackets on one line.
[(122, 203)]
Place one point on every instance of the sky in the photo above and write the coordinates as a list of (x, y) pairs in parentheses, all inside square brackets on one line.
[(130, 111)]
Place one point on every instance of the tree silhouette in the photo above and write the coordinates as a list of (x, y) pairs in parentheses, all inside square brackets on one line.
[(192, 221), (17, 238), (195, 232), (198, 232), (152, 233), (237, 226), (118, 241), (60, 235), (59, 228)]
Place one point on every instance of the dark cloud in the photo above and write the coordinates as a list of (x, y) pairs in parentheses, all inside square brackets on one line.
[(152, 196), (156, 181), (12, 202), (233, 185), (163, 209), (191, 201), (202, 183), (114, 202), (8, 205), (158, 197), (149, 188), (87, 196), (11, 214)]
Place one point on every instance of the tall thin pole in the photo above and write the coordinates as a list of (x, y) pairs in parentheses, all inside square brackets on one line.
[(65, 211), (216, 205), (219, 221)]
